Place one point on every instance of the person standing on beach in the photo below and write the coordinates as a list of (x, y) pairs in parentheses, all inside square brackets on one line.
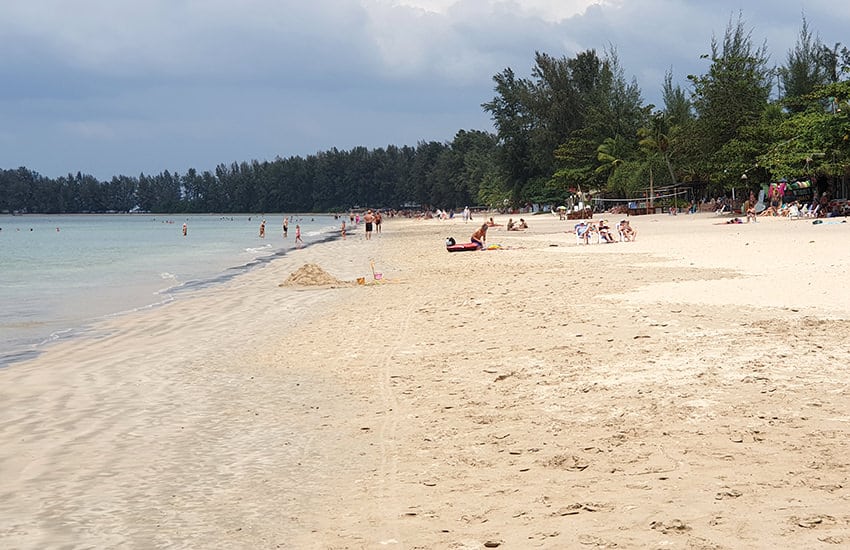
[(285, 226), (342, 229), (369, 218), (378, 220), (298, 241)]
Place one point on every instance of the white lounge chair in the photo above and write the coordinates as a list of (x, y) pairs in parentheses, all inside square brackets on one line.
[(586, 231), (793, 212)]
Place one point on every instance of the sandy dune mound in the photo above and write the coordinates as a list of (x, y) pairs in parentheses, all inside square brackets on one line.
[(312, 275)]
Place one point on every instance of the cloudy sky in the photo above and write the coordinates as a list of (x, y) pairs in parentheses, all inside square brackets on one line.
[(112, 87)]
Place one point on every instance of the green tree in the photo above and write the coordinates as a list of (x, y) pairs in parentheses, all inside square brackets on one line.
[(513, 122), (677, 110), (804, 69), (814, 141), (732, 95), (835, 60), (655, 142), (577, 160), (611, 155)]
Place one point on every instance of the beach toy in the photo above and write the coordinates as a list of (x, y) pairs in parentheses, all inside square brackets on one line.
[(463, 247), (376, 276), (361, 280)]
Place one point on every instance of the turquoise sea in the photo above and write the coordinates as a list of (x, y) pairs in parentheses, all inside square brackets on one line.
[(60, 273)]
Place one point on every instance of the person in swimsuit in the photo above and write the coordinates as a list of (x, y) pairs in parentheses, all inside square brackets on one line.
[(285, 226), (263, 229), (605, 232), (298, 241), (378, 220), (369, 218), (627, 231), (480, 236)]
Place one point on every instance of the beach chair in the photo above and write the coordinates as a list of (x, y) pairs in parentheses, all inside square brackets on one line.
[(586, 231), (621, 233), (814, 209), (794, 212)]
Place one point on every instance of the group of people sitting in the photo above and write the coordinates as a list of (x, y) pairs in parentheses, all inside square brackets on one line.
[(511, 226), (517, 226), (792, 209), (585, 231), (809, 210), (479, 237)]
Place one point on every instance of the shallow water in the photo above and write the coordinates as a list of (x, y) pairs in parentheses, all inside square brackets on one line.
[(59, 273)]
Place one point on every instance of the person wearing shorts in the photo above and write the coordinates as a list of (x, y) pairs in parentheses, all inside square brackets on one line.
[(480, 236), (369, 218)]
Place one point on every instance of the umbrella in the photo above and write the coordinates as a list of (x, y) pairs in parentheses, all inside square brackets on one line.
[(562, 208)]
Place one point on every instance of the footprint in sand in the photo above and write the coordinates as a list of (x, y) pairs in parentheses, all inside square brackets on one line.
[(812, 521), (675, 526)]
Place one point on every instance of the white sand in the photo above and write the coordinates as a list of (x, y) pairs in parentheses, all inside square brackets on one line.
[(687, 390)]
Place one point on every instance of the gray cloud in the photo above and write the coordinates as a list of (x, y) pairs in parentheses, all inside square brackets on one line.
[(122, 87)]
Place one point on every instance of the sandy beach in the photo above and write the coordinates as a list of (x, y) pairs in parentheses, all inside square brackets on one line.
[(687, 390)]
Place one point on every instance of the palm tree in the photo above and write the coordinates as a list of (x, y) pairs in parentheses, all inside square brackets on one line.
[(655, 141), (610, 155)]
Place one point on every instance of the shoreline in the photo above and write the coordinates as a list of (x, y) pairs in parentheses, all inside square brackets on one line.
[(28, 348), (547, 394)]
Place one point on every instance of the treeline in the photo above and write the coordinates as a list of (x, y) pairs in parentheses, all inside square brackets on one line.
[(575, 125), (431, 173)]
